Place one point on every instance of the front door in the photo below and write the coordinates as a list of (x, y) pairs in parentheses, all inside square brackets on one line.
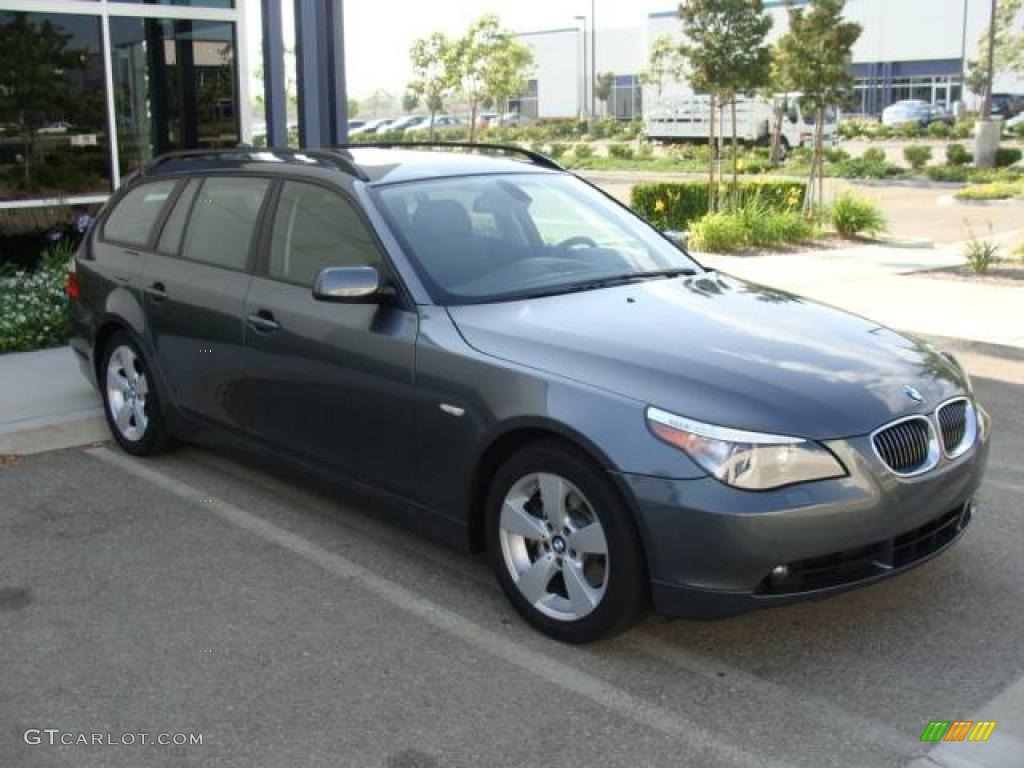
[(333, 382), (195, 287)]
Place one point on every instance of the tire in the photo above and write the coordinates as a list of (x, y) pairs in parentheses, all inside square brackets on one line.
[(130, 400), (548, 557)]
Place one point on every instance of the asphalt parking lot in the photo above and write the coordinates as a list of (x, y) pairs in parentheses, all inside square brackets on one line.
[(289, 625)]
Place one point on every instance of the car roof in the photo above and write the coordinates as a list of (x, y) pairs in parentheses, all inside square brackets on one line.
[(384, 164)]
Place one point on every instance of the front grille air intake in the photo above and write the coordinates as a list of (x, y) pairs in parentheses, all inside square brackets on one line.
[(908, 446), (958, 423)]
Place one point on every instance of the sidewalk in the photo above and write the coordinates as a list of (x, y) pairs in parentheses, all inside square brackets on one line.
[(888, 284), (46, 403)]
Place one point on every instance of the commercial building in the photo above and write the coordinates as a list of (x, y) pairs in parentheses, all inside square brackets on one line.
[(92, 89), (909, 49)]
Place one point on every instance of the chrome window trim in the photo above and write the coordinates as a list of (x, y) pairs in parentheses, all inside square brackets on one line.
[(934, 446), (970, 430)]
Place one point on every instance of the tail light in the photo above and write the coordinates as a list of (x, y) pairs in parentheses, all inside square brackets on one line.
[(72, 286)]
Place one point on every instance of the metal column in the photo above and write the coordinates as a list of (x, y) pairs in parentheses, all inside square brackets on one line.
[(275, 99), (320, 68)]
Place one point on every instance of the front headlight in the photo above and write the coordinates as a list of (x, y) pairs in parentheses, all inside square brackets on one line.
[(753, 461)]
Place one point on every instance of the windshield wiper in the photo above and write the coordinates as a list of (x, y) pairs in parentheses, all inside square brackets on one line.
[(675, 272), (600, 282)]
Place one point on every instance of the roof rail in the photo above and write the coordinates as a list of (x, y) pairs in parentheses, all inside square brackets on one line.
[(534, 157), (337, 156)]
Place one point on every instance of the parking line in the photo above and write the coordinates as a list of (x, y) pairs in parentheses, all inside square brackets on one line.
[(815, 708), (558, 673)]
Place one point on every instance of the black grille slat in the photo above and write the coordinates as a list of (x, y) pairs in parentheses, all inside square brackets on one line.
[(904, 447), (953, 424)]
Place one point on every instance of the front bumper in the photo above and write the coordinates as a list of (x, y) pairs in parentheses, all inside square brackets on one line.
[(711, 549)]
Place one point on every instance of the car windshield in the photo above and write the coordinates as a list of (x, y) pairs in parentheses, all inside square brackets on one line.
[(498, 237)]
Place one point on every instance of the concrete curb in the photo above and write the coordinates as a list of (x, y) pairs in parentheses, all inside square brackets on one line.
[(52, 434)]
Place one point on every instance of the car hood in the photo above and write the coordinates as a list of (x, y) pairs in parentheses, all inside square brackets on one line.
[(721, 350)]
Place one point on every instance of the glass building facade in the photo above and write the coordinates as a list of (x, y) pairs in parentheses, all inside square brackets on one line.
[(90, 90)]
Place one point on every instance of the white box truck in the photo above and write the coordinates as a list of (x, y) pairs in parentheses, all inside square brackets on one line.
[(687, 118)]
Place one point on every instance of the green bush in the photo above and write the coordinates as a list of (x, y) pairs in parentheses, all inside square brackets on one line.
[(34, 305), (957, 154), (964, 128), (621, 151), (871, 165), (917, 155), (981, 255), (675, 205), (939, 130), (996, 190), (1007, 156), (852, 215), (556, 150), (909, 130), (646, 149), (583, 151), (718, 233), (752, 225)]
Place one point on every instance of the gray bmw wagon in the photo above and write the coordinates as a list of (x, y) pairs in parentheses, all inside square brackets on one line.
[(518, 363)]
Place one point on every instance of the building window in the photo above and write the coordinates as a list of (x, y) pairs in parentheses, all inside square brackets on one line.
[(626, 98), (53, 136), (175, 87), (526, 104), (192, 3)]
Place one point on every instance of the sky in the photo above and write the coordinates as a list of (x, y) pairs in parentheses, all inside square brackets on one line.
[(378, 33)]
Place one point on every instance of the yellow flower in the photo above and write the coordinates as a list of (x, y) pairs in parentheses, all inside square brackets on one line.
[(659, 206)]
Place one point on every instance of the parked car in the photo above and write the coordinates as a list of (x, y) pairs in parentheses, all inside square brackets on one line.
[(441, 122), (515, 119), (909, 111), (353, 124), (407, 122), (378, 125), (518, 363), (1007, 105), (1014, 122)]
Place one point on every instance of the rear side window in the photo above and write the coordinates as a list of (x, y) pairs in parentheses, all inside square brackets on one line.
[(170, 238), (316, 228), (223, 221), (135, 215)]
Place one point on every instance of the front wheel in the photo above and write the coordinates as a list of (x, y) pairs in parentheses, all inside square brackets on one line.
[(563, 546)]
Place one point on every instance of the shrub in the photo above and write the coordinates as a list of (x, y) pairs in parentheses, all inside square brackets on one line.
[(852, 215), (917, 155), (909, 130), (837, 155), (621, 151), (767, 228), (556, 150), (871, 165), (963, 128), (957, 154), (583, 151), (675, 205), (646, 149), (996, 190), (939, 130), (34, 306), (981, 255), (718, 233), (1006, 156)]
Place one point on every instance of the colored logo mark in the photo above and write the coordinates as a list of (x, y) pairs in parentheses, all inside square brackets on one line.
[(958, 730)]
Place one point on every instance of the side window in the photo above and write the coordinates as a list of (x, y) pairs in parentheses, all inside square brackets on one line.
[(223, 221), (316, 228), (137, 212), (170, 238)]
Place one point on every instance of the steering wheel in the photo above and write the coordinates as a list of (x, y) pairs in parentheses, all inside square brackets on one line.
[(572, 242)]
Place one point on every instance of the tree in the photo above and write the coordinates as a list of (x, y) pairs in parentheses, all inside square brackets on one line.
[(780, 87), (435, 70), (489, 62), (1009, 47), (664, 62), (604, 83), (353, 108), (35, 78), (379, 101), (814, 55), (410, 100), (727, 55)]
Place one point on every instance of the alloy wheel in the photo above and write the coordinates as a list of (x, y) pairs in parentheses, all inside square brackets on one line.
[(127, 390), (554, 546)]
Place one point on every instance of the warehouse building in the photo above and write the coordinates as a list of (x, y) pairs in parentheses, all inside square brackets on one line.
[(909, 49)]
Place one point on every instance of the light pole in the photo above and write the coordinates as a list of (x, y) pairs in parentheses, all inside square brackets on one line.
[(581, 101), (986, 136)]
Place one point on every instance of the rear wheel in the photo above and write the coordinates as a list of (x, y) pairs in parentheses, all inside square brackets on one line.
[(130, 399), (563, 545)]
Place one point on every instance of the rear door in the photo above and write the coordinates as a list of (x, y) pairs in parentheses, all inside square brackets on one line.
[(195, 285), (330, 382)]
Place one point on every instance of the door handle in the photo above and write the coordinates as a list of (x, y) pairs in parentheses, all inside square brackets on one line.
[(157, 292), (263, 321)]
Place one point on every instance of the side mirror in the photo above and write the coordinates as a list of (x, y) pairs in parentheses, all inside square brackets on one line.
[(678, 238), (353, 285)]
